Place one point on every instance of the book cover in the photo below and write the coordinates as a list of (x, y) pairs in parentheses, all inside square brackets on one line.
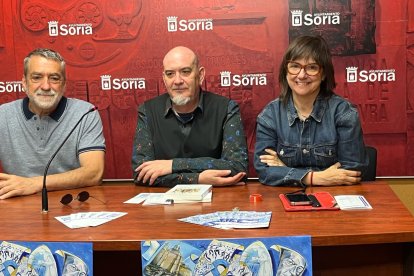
[(194, 192)]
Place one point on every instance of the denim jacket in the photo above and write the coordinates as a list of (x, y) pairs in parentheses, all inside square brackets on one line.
[(331, 134)]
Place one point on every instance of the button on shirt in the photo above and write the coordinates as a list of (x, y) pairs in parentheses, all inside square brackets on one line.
[(332, 133)]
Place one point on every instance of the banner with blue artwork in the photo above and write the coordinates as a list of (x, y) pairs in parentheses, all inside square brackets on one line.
[(46, 258), (248, 257)]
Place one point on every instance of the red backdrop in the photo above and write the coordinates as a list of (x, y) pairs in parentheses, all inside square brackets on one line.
[(125, 41)]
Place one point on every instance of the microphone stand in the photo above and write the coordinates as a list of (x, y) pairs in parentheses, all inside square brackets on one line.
[(45, 204)]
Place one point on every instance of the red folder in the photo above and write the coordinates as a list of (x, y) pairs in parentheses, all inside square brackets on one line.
[(326, 200)]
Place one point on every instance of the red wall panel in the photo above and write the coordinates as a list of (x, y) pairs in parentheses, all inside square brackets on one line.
[(127, 39)]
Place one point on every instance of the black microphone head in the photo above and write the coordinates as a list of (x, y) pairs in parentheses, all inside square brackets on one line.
[(93, 108)]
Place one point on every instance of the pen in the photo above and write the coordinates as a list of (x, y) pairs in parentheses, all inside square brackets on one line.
[(363, 201)]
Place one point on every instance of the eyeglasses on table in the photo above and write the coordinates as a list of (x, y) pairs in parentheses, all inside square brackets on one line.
[(81, 197)]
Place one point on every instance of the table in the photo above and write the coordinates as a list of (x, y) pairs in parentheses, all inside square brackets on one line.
[(377, 241)]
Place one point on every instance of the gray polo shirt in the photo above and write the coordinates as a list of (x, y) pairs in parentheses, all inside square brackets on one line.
[(27, 141)]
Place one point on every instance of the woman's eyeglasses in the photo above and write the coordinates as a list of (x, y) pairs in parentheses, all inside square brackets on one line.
[(311, 69), (81, 197)]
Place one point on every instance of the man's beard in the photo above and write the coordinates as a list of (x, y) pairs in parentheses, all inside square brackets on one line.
[(51, 103), (180, 100)]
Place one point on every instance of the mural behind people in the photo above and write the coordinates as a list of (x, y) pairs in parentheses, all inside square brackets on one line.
[(114, 52)]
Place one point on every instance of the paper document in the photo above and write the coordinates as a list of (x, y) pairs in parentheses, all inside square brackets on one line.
[(157, 199), (138, 198), (232, 219), (87, 219), (162, 199)]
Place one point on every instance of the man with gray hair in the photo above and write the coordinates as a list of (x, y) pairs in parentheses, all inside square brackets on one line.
[(33, 128)]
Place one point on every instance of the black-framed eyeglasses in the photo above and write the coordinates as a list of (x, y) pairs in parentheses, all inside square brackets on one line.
[(311, 69), (81, 197)]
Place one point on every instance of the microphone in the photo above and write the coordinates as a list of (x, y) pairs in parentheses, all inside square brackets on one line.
[(45, 207)]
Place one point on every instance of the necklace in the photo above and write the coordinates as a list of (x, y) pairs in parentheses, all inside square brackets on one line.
[(301, 116)]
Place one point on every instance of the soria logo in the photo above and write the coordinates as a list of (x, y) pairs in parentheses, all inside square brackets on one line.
[(203, 24), (11, 86), (323, 18), (125, 83), (353, 75), (69, 29), (227, 79)]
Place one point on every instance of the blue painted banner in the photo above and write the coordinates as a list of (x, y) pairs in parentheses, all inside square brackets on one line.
[(250, 256), (46, 258)]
